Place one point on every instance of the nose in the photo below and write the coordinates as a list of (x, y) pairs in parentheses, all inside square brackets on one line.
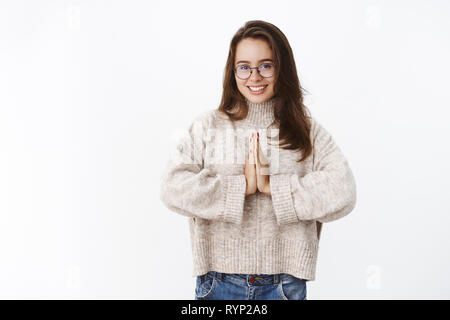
[(255, 75)]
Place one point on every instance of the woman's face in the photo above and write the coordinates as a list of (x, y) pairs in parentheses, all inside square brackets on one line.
[(252, 53)]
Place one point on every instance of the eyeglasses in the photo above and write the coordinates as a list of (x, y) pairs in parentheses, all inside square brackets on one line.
[(244, 72)]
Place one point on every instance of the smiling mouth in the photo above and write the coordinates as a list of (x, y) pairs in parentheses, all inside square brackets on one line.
[(257, 89)]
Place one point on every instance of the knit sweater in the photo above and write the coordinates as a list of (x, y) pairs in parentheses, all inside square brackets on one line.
[(258, 233)]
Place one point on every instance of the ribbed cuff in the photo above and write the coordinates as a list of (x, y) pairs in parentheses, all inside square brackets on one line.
[(280, 188), (234, 198)]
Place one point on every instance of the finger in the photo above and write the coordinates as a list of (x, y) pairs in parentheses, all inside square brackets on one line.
[(252, 148), (252, 157), (250, 154), (252, 145), (257, 159), (260, 153), (255, 154)]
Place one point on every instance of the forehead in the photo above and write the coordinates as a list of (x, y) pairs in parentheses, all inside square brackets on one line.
[(253, 51)]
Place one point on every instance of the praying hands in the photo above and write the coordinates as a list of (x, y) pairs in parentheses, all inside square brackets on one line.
[(256, 169)]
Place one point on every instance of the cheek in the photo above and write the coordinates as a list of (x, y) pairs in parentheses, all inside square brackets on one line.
[(241, 85)]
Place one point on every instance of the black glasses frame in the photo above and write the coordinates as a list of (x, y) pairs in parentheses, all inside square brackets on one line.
[(251, 71)]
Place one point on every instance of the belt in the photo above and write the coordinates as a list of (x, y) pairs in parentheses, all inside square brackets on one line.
[(251, 279)]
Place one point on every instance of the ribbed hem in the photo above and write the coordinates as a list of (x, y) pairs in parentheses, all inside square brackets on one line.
[(267, 256), (234, 198), (280, 188)]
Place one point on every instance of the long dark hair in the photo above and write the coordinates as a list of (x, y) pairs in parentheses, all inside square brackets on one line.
[(291, 115)]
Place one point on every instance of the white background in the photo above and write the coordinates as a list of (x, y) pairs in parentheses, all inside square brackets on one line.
[(91, 91)]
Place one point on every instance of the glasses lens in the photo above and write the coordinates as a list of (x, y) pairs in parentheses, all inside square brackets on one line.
[(266, 70), (243, 72)]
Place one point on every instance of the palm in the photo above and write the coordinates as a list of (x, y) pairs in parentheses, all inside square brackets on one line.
[(250, 175), (262, 168)]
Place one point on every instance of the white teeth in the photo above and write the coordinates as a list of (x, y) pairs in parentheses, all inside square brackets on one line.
[(257, 88)]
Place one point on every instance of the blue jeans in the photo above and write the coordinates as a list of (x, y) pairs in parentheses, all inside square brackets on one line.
[(233, 286)]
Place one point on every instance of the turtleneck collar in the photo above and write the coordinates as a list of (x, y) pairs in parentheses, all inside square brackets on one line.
[(261, 114)]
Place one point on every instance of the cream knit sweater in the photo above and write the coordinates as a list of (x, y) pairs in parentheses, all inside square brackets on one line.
[(256, 234)]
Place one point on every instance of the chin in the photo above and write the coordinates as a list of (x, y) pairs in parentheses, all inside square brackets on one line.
[(259, 99)]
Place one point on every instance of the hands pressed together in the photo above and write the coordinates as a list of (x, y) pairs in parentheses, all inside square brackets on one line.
[(256, 169)]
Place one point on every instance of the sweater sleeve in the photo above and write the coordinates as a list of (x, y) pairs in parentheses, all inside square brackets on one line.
[(326, 194), (191, 190)]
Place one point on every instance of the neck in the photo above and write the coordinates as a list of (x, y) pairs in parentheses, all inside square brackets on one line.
[(261, 114)]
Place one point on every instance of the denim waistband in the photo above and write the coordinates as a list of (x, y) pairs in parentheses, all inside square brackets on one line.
[(248, 279)]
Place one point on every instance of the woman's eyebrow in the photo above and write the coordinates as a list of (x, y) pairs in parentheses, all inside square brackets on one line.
[(258, 61)]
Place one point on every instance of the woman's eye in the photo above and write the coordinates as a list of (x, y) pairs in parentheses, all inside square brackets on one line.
[(243, 67), (266, 66)]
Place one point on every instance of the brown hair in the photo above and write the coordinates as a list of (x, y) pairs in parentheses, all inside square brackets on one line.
[(289, 111)]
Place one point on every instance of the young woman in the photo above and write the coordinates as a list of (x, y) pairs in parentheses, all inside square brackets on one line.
[(257, 177)]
